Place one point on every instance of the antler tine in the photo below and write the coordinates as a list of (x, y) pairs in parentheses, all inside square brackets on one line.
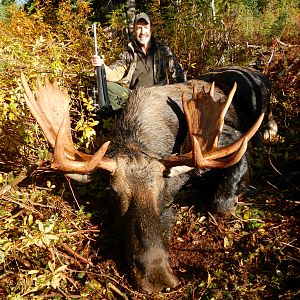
[(212, 89), (202, 162), (229, 100), (40, 106), (195, 91), (227, 150), (35, 110), (186, 110), (64, 164), (191, 110), (223, 113), (185, 105)]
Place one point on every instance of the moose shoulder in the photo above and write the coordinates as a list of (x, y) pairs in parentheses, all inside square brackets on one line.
[(162, 140)]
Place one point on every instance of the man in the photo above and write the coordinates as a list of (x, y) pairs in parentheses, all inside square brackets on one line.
[(146, 62)]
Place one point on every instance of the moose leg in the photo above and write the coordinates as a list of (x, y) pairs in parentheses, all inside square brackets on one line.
[(232, 179)]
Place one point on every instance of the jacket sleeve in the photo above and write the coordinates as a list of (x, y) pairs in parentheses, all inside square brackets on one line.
[(175, 67), (116, 71)]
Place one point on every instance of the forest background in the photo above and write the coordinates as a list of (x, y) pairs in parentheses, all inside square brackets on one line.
[(55, 241)]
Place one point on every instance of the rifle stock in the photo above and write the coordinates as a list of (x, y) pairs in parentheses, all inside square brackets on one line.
[(104, 85)]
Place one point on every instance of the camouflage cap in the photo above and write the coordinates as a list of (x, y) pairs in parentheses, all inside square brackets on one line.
[(142, 16)]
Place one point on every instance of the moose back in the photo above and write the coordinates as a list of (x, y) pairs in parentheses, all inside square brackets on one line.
[(165, 136)]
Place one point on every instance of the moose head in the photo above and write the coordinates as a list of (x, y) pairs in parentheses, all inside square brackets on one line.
[(141, 160)]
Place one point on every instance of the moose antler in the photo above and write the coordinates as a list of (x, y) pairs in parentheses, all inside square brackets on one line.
[(205, 118), (50, 108)]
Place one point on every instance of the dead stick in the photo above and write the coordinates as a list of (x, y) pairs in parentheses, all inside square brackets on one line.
[(4, 198), (284, 44), (83, 231), (115, 289), (77, 255), (22, 176)]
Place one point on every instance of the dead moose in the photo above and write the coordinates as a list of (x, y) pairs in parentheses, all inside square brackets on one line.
[(165, 136)]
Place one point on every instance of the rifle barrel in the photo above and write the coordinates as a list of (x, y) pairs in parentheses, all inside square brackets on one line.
[(101, 99), (95, 38)]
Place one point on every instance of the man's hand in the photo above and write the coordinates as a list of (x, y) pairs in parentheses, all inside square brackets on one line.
[(97, 61)]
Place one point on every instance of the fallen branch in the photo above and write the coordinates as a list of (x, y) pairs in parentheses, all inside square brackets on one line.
[(115, 289), (93, 229), (118, 282), (66, 256), (22, 176), (290, 245), (252, 46), (284, 44), (22, 205), (271, 57), (77, 255)]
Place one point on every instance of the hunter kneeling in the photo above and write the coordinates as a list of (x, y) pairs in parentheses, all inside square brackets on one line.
[(146, 62)]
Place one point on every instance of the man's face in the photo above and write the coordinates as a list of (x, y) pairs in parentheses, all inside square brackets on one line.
[(142, 31)]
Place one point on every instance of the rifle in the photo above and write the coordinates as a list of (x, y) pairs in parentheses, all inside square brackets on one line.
[(101, 95)]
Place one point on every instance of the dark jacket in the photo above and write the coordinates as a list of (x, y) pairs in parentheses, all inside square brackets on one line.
[(165, 64)]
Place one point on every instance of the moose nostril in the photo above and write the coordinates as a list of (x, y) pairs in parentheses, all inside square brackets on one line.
[(236, 201), (154, 285)]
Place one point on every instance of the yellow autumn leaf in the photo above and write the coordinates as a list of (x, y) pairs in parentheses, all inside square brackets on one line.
[(227, 242), (209, 279)]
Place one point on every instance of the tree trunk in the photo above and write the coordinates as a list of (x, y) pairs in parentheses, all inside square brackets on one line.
[(130, 14), (212, 4)]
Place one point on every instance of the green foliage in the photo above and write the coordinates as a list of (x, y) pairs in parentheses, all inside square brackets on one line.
[(202, 41), (33, 243), (55, 41), (86, 121), (272, 19)]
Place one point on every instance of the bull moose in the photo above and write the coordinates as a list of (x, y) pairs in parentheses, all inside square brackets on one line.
[(165, 136)]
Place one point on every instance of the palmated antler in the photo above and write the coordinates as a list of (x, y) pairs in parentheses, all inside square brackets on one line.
[(205, 118), (50, 108)]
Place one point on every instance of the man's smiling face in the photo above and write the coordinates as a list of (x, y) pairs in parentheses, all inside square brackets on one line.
[(142, 31)]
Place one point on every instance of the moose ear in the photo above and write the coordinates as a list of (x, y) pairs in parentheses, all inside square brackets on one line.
[(178, 170)]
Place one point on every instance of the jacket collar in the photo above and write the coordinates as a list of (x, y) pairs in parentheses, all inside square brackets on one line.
[(135, 45)]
